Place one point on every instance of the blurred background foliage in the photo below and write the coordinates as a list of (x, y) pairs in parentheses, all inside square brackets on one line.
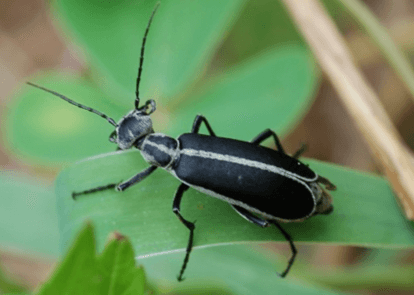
[(241, 63)]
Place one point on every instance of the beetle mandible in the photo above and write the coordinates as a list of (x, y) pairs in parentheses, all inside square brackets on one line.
[(263, 185)]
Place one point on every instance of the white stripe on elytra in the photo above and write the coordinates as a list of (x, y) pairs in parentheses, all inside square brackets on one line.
[(244, 205), (245, 162)]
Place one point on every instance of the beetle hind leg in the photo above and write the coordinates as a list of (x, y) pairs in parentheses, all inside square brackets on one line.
[(292, 247), (264, 223), (190, 225)]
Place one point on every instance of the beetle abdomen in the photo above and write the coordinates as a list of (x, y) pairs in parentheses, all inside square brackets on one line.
[(245, 175)]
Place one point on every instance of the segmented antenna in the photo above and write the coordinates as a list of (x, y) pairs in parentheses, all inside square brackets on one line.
[(110, 120), (141, 60)]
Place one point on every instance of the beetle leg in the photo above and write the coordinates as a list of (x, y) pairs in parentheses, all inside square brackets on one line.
[(292, 247), (190, 225), (250, 217), (197, 123), (119, 187), (264, 223), (265, 135), (329, 185), (135, 179), (93, 190), (300, 151)]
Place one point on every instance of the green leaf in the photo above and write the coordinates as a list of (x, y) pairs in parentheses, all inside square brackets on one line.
[(182, 40), (43, 127), (376, 277), (237, 269), (261, 26), (273, 90), (366, 212), (81, 272), (28, 215)]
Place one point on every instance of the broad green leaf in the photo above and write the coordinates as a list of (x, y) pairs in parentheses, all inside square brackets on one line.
[(182, 40), (237, 269), (44, 128), (28, 216), (261, 26), (271, 90), (82, 272), (366, 212)]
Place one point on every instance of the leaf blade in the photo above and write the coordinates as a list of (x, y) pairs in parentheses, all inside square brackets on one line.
[(144, 212)]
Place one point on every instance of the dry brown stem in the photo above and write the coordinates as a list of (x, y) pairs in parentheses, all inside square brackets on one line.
[(357, 96)]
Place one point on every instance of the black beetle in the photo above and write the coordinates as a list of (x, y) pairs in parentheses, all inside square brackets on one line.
[(261, 184)]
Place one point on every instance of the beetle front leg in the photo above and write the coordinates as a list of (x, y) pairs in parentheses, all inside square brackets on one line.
[(135, 179), (265, 135), (190, 225), (197, 123), (94, 190), (121, 186)]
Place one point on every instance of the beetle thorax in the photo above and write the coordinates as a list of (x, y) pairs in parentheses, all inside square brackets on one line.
[(135, 125), (160, 150)]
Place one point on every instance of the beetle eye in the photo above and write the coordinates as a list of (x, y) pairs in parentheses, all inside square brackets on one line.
[(149, 107), (316, 190)]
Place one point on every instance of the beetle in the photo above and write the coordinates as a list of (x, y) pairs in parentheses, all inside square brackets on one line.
[(263, 185)]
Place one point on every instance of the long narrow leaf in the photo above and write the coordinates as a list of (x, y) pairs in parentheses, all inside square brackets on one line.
[(366, 212)]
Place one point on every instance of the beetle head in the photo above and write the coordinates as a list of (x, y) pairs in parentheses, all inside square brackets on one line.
[(133, 126)]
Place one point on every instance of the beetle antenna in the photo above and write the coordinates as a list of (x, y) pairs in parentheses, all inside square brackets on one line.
[(141, 60), (110, 120)]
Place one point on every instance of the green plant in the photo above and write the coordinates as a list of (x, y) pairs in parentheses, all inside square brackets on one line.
[(272, 86)]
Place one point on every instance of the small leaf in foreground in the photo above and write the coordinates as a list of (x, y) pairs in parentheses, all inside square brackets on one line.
[(83, 272)]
